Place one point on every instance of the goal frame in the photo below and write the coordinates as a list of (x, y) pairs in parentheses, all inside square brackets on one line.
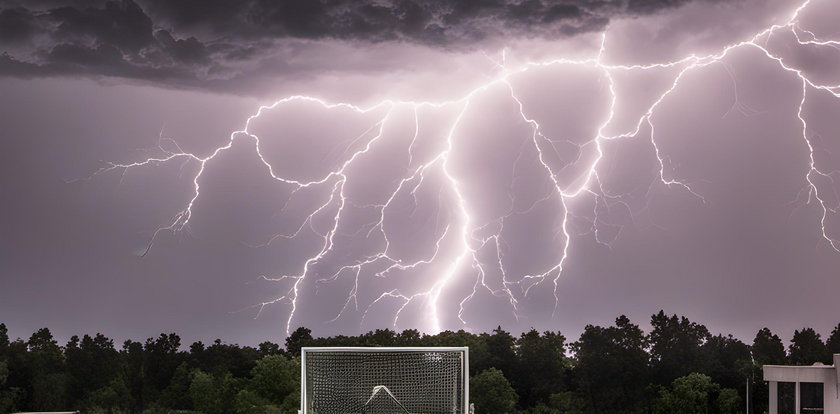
[(465, 365)]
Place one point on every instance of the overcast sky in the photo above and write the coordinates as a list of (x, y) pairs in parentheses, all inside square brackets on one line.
[(417, 164)]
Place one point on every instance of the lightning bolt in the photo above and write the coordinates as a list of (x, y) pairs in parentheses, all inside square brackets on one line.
[(459, 249)]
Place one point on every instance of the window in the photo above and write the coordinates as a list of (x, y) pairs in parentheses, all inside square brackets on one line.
[(786, 397), (811, 397)]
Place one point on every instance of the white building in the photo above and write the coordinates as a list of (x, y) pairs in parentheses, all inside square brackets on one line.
[(804, 389)]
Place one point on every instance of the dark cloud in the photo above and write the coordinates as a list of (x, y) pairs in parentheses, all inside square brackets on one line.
[(189, 50), (204, 43), (13, 67), (122, 25), (16, 25)]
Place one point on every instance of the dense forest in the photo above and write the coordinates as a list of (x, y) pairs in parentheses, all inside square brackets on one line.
[(678, 367)]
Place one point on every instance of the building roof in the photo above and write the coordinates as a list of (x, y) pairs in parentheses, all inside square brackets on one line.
[(804, 373)]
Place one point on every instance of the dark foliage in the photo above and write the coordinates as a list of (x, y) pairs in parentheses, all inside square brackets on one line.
[(807, 348), (614, 369)]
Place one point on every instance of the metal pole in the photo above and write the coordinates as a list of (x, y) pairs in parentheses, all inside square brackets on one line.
[(748, 396)]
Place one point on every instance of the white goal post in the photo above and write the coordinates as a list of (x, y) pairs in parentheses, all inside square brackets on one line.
[(384, 380)]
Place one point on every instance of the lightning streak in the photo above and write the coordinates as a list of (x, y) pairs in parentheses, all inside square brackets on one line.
[(456, 250)]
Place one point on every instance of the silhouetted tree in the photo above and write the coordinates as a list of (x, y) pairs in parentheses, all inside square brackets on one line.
[(614, 369), (501, 349), (409, 337), (492, 393), (300, 338), (47, 372), (768, 348), (16, 394), (134, 374), (221, 357), (92, 365), (675, 347), (4, 342), (806, 348), (611, 367), (5, 395), (833, 342), (268, 348), (160, 360), (379, 337), (542, 368), (726, 360)]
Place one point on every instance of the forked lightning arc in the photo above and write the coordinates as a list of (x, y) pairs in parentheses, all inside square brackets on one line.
[(469, 235)]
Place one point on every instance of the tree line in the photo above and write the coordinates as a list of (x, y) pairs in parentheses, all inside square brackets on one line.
[(678, 367)]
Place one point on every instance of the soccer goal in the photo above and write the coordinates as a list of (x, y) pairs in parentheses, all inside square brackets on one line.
[(426, 380)]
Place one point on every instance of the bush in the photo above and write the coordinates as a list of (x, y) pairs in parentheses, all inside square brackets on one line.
[(729, 402), (492, 393), (691, 394)]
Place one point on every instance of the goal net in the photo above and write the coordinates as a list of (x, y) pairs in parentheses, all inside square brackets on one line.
[(384, 380)]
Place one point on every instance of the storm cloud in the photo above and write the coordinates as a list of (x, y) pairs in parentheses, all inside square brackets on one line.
[(216, 44)]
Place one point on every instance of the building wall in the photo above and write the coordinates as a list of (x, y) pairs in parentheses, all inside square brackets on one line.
[(829, 375)]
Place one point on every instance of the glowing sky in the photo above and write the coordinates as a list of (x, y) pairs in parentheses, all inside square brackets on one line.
[(236, 170)]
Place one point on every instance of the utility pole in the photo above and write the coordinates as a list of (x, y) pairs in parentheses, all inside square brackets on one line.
[(748, 397)]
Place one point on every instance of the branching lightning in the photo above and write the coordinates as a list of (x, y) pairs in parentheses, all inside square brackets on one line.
[(463, 236)]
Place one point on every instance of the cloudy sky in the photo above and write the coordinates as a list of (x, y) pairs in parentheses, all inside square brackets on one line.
[(236, 169)]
